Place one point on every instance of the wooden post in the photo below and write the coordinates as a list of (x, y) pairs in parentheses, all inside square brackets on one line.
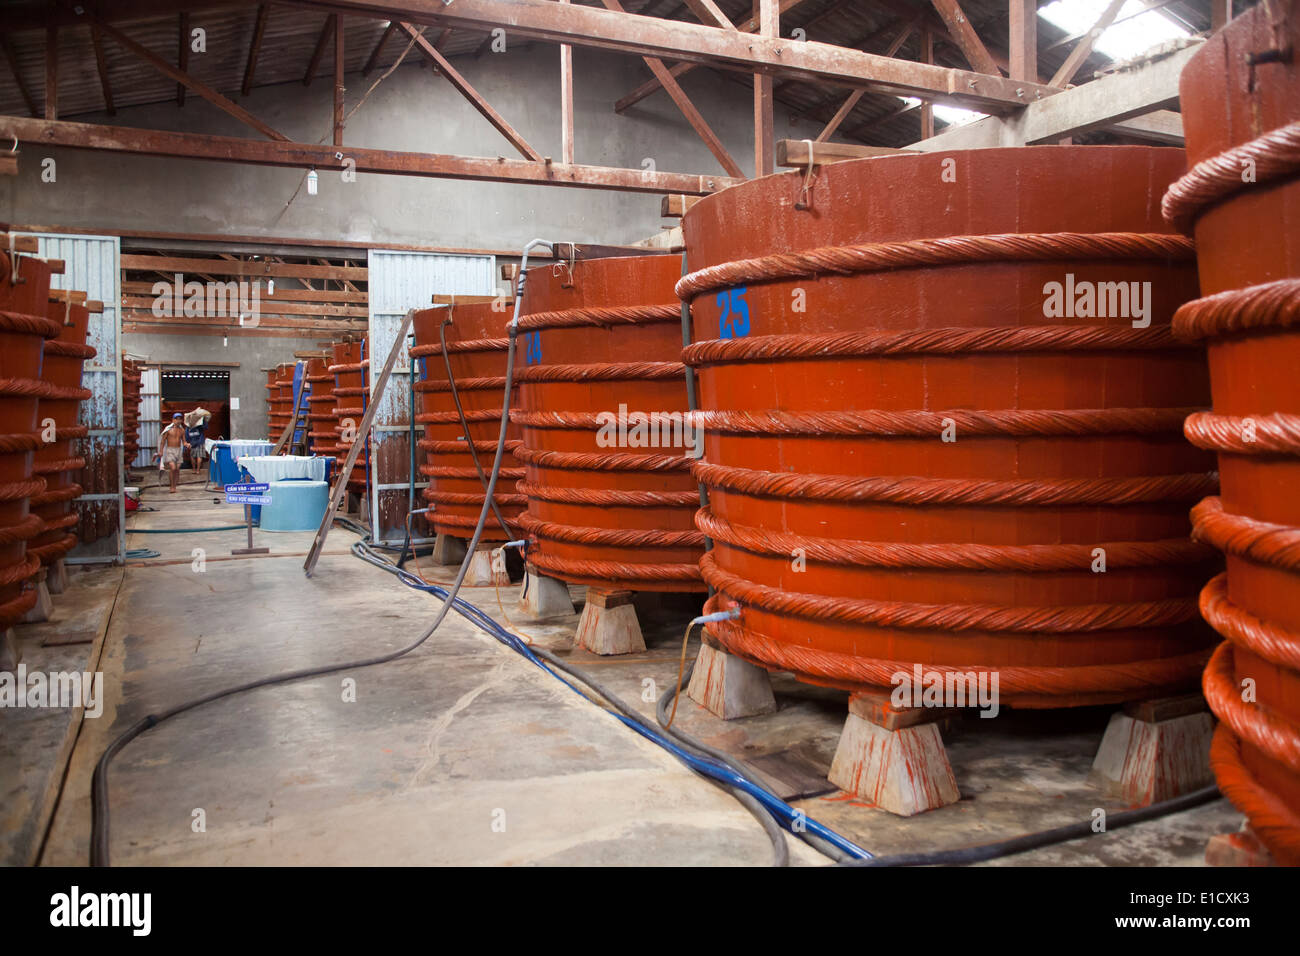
[(1022, 45), (566, 102), (51, 72), (338, 80), (927, 108), (768, 15)]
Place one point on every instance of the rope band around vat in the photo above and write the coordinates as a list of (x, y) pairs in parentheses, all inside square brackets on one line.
[(70, 349), (463, 498), (469, 522), (1157, 489), (25, 530), (26, 324), (447, 471), (961, 340), (495, 383), (1276, 433), (1276, 825), (13, 490), (1275, 545), (1263, 728), (35, 388), (610, 537), (954, 556), (1272, 642), (1274, 156), (596, 461), (463, 447), (947, 251), (610, 496), (602, 316), (460, 348), (13, 610), (49, 553), (615, 571), (58, 467), (608, 372), (14, 573), (1013, 422), (453, 418), (1269, 306), (1132, 677), (19, 442), (983, 618)]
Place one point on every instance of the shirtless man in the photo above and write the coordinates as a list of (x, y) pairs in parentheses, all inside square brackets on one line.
[(171, 445)]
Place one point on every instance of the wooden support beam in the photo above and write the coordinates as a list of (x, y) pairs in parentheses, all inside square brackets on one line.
[(566, 101), (373, 59), (927, 108), (1084, 47), (845, 109), (101, 65), (307, 296), (463, 86), (688, 109), (182, 53), (318, 52), (202, 89), (1022, 40), (708, 13), (724, 49), (7, 45), (338, 81), (964, 35), (794, 153), (239, 268), (255, 47), (677, 69), (230, 149), (268, 306), (868, 40), (674, 207), (769, 25), (52, 73)]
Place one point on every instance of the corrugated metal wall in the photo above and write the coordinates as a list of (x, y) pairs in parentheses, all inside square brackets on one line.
[(150, 416), (93, 266), (398, 282)]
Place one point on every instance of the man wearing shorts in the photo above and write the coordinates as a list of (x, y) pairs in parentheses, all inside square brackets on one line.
[(171, 449)]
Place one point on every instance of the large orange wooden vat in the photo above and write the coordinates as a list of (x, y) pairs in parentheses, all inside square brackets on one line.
[(320, 403), (24, 327), (272, 394), (1242, 198), (615, 512), (130, 411), (912, 458), (58, 461), (350, 370), (476, 347), (282, 400)]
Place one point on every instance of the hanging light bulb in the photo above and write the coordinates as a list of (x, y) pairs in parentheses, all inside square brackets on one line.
[(270, 287), (312, 181)]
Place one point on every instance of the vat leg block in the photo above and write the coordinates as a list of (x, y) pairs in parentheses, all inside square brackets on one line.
[(729, 687), (479, 574), (904, 770), (56, 578), (448, 550), (10, 655), (44, 606), (1237, 849), (544, 597), (1151, 751), (608, 624)]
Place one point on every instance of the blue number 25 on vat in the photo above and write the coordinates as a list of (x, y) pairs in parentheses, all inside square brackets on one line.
[(733, 322)]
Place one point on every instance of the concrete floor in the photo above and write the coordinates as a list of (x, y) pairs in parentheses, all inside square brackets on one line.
[(462, 752)]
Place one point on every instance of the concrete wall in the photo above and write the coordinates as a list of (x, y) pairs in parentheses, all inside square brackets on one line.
[(412, 110)]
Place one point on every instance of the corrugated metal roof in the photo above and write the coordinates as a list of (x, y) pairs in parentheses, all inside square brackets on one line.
[(291, 35)]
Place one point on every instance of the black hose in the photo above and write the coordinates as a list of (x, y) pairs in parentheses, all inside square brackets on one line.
[(1033, 841)]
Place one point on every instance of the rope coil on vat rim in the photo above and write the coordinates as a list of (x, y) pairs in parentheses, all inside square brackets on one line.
[(1268, 306), (953, 556), (610, 496), (1277, 826), (447, 471), (1159, 489), (601, 316), (26, 323), (1261, 727), (453, 348), (606, 372), (956, 341), (1276, 433), (595, 461), (1274, 545), (608, 572), (1051, 619), (1132, 676), (945, 251), (610, 537), (1017, 422), (1275, 155)]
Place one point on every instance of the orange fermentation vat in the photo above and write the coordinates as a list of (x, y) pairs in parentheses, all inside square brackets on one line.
[(58, 462), (600, 343), (350, 372), (1241, 199), (476, 346), (922, 439), (320, 404)]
